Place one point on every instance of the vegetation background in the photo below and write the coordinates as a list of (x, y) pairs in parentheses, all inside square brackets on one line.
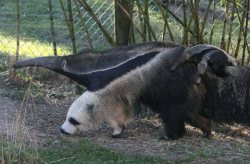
[(65, 26), (60, 27)]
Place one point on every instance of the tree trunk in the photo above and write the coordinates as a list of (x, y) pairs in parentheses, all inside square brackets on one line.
[(17, 29), (71, 26), (122, 21), (52, 28)]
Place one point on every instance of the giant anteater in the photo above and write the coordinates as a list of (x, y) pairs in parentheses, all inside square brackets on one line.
[(142, 73)]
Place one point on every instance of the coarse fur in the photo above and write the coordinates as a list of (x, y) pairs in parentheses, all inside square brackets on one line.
[(174, 95), (98, 79), (178, 101), (114, 98), (112, 104), (228, 99), (205, 55), (88, 67)]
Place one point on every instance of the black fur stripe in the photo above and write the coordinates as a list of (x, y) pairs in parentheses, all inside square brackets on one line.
[(73, 121), (99, 79)]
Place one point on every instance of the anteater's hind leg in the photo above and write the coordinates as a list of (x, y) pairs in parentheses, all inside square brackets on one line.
[(201, 122)]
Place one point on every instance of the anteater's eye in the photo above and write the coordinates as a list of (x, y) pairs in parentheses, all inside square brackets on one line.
[(73, 121)]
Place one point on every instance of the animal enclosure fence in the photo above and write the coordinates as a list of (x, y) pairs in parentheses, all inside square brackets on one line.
[(64, 26)]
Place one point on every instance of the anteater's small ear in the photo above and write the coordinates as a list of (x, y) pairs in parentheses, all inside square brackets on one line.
[(64, 64), (65, 67)]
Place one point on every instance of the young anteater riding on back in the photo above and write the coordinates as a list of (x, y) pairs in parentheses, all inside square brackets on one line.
[(205, 55)]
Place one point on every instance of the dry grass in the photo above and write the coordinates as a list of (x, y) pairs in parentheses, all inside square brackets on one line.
[(18, 145)]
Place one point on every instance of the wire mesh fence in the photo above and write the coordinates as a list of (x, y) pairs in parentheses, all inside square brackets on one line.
[(36, 36), (35, 33)]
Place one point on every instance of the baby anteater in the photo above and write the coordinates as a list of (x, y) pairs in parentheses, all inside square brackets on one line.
[(205, 55)]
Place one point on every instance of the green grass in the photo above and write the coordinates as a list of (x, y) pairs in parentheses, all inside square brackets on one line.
[(209, 153), (84, 151), (66, 151), (35, 21), (4, 59), (35, 36), (16, 152), (29, 48)]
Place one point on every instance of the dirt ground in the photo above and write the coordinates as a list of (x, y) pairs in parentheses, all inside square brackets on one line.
[(40, 122)]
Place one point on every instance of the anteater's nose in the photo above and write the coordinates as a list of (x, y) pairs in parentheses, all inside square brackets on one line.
[(64, 132)]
